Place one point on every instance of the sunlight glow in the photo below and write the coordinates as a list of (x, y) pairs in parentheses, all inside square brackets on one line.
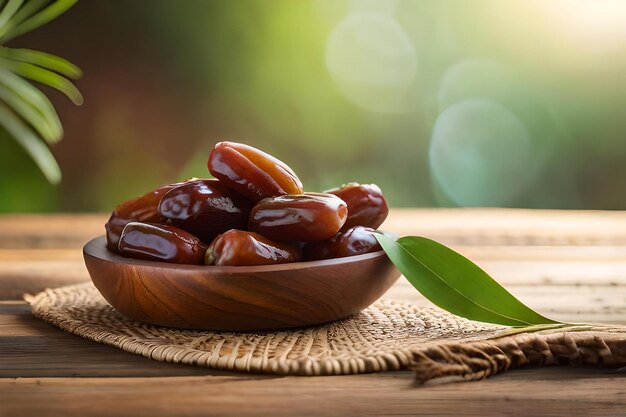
[(372, 61)]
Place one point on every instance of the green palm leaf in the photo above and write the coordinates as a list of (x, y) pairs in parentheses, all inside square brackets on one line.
[(44, 60), (40, 18), (29, 114), (36, 99), (31, 144), (25, 112), (27, 10), (44, 76), (9, 10)]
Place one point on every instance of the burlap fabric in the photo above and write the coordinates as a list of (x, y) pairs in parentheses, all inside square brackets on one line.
[(387, 336)]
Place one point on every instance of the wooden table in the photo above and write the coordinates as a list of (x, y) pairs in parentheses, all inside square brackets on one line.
[(568, 265)]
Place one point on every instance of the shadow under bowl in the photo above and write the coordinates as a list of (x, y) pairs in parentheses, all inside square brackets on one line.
[(238, 298)]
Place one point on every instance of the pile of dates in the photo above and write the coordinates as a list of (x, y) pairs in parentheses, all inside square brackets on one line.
[(254, 212)]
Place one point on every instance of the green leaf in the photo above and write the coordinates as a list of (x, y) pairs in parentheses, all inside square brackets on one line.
[(456, 284), (31, 144), (23, 102), (26, 11), (36, 99), (42, 59), (44, 76), (9, 10), (40, 18), (29, 114)]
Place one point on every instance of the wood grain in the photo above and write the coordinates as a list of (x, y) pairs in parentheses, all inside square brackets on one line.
[(451, 226), (23, 231), (239, 298), (570, 265), (32, 270), (512, 226), (32, 348), (550, 392)]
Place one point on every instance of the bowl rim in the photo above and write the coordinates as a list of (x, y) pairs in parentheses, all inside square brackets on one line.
[(96, 248)]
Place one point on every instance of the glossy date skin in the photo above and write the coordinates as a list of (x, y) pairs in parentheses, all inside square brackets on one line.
[(205, 208), (241, 248), (252, 172), (161, 243), (366, 205), (142, 209), (355, 241), (306, 217)]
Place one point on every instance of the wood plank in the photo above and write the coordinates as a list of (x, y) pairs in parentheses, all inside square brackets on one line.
[(509, 227), (574, 254), (569, 302), (611, 253), (572, 304), (551, 391), (9, 256), (30, 271), (569, 265), (485, 253), (460, 226), (29, 347), (49, 230), (533, 272), (39, 251), (17, 278)]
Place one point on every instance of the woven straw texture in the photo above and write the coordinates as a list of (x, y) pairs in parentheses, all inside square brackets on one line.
[(386, 336)]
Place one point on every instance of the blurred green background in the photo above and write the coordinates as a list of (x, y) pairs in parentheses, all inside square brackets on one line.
[(441, 103)]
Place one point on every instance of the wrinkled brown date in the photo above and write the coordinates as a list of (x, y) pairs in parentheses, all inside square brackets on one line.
[(205, 208), (306, 218), (366, 205), (355, 241), (251, 172), (240, 248), (141, 209), (161, 243)]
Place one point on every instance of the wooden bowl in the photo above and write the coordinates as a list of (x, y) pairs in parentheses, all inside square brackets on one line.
[(238, 298)]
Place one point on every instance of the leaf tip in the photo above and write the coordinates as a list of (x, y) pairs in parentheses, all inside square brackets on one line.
[(77, 99)]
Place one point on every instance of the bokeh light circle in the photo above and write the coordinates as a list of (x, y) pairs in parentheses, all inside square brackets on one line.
[(372, 61), (477, 78), (480, 153)]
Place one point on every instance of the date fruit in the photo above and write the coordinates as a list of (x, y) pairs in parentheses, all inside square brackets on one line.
[(140, 209), (355, 241), (161, 243), (306, 217), (252, 191), (366, 204), (251, 172), (205, 208), (240, 248)]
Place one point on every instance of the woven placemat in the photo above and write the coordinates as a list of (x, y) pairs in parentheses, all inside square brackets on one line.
[(386, 336)]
